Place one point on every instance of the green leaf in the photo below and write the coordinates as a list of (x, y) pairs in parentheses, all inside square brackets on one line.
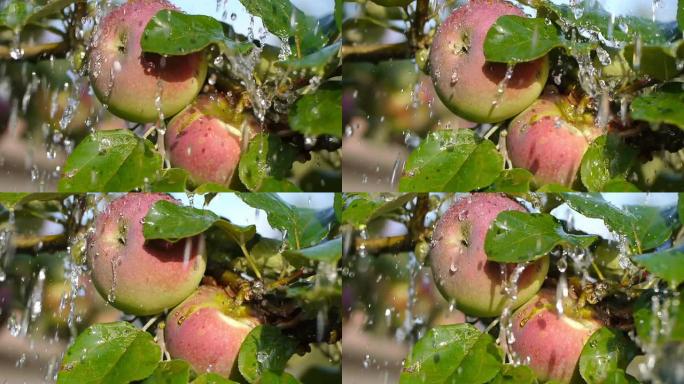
[(18, 13), (110, 161), (452, 354), (171, 180), (211, 188), (606, 351), (618, 185), (645, 320), (176, 33), (212, 378), (266, 156), (680, 14), (651, 227), (657, 61), (319, 113), (264, 349), (14, 199), (661, 106), (339, 10), (170, 372), (338, 206), (521, 374), (364, 208), (304, 226), (517, 237), (667, 265), (620, 29), (328, 251), (269, 377), (274, 13), (607, 160), (318, 60), (110, 353), (450, 161), (171, 222), (516, 180), (270, 184), (635, 224), (516, 39), (680, 207)]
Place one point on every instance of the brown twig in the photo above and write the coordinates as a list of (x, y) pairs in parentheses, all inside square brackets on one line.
[(376, 52), (391, 244), (287, 280), (36, 50), (418, 26), (25, 242), (416, 226)]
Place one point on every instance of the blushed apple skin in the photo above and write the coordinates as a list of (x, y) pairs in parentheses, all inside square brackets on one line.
[(465, 82), (205, 139), (207, 331), (545, 142), (138, 78), (148, 277), (459, 262), (553, 343)]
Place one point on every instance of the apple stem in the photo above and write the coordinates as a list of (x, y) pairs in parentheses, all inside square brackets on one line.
[(251, 261), (150, 322)]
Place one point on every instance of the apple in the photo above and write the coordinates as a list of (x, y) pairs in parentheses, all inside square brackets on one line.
[(552, 342), (137, 276), (549, 139), (205, 139), (207, 330), (459, 262), (128, 81), (465, 82)]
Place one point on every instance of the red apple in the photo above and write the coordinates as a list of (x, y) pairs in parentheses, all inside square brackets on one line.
[(205, 139), (551, 341), (468, 84), (549, 139), (459, 262), (137, 276), (127, 81), (207, 330)]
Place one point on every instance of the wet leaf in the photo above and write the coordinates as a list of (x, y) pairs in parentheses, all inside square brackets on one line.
[(110, 161), (517, 237), (171, 222), (661, 106), (651, 226), (608, 159), (364, 207), (274, 13), (175, 33), (304, 226), (266, 157), (211, 188), (451, 161), (110, 353), (641, 228), (516, 180), (453, 354), (170, 372), (680, 14), (645, 320), (328, 251), (171, 180), (318, 59), (212, 378), (269, 377), (595, 22), (516, 39), (18, 13), (666, 265), (264, 349), (606, 351), (521, 374), (270, 184), (12, 200), (319, 113), (680, 207), (657, 61)]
